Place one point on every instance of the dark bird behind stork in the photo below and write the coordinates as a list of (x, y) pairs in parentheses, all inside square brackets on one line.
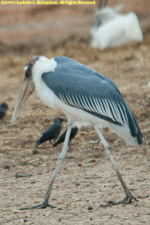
[(61, 139), (86, 97), (3, 110), (52, 133)]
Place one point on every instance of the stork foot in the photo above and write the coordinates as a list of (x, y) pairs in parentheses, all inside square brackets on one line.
[(126, 200), (40, 206)]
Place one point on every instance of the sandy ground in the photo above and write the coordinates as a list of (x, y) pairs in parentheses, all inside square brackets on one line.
[(86, 179)]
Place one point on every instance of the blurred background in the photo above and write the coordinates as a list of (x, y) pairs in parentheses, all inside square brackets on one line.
[(39, 23)]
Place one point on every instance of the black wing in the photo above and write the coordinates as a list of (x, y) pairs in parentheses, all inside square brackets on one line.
[(61, 139), (52, 133), (2, 113)]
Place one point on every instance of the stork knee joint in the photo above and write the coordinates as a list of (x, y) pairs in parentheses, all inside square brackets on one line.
[(62, 156)]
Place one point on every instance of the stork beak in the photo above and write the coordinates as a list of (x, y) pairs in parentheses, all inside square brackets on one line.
[(25, 91)]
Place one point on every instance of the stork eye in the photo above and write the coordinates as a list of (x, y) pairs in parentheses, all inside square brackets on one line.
[(28, 72)]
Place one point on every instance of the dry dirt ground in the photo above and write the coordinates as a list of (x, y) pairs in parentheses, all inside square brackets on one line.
[(86, 179)]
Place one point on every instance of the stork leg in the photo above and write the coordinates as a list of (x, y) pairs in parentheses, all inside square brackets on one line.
[(61, 158), (129, 196)]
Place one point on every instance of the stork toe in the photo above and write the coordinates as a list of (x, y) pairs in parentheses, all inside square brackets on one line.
[(126, 200)]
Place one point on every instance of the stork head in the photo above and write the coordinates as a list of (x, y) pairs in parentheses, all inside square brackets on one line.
[(28, 73), (26, 88)]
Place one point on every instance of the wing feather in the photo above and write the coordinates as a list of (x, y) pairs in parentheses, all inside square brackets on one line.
[(94, 105), (116, 111), (109, 111), (104, 108), (78, 101), (83, 102), (98, 109)]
